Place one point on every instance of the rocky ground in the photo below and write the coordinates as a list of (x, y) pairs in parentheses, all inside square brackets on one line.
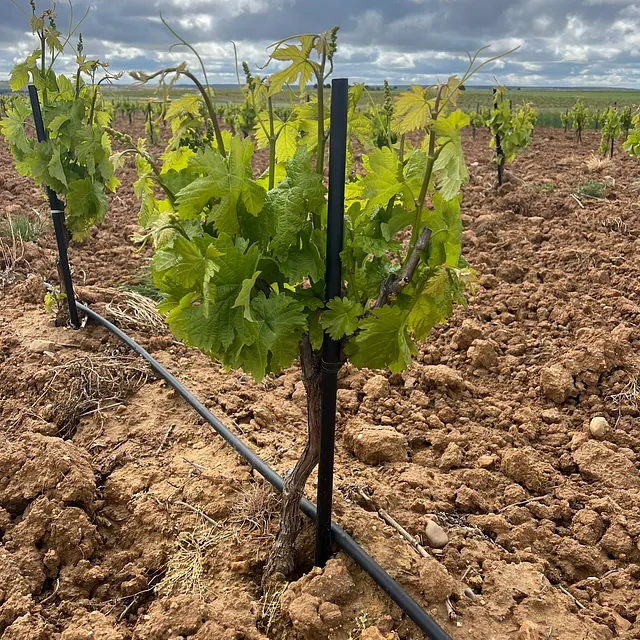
[(511, 448)]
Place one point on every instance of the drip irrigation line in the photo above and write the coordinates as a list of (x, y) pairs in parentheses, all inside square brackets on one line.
[(341, 538)]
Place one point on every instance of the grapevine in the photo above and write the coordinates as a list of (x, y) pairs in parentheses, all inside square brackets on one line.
[(626, 119), (611, 130), (75, 161), (478, 119), (239, 258), (511, 129), (596, 117), (632, 143), (578, 118)]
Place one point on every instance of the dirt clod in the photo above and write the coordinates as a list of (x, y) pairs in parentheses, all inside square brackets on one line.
[(598, 463), (557, 384), (374, 444), (376, 387)]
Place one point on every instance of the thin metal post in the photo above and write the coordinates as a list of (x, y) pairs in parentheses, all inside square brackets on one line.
[(331, 361), (499, 156), (57, 213)]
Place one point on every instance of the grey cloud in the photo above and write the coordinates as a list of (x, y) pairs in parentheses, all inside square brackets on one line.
[(562, 41)]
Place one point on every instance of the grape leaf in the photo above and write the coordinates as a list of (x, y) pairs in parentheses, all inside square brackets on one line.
[(19, 75), (12, 127), (383, 341), (446, 231), (432, 306), (227, 180), (86, 204), (244, 297), (412, 110), (56, 170), (301, 68), (341, 317), (381, 182), (450, 162), (280, 323), (288, 206), (211, 322)]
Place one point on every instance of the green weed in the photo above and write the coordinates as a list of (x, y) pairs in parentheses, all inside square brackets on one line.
[(592, 189), (20, 226)]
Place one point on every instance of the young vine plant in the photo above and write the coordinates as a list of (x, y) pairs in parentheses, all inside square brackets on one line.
[(239, 257), (632, 144), (578, 117), (611, 131), (511, 129), (75, 161), (478, 119)]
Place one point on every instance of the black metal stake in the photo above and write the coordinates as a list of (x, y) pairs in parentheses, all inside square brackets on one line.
[(499, 156), (150, 118), (333, 288), (57, 213)]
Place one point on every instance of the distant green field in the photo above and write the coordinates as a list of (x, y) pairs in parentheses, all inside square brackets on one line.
[(550, 103), (552, 100)]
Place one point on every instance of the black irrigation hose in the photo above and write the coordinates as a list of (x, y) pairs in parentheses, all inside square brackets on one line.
[(340, 536)]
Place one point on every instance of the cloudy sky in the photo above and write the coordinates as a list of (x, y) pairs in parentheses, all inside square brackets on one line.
[(562, 42)]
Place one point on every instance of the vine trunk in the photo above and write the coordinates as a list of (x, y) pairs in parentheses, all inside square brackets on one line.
[(281, 561)]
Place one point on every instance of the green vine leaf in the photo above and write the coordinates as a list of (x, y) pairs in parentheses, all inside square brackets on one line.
[(225, 180), (341, 317), (383, 341)]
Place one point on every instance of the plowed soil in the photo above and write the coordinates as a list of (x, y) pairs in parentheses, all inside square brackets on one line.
[(128, 518)]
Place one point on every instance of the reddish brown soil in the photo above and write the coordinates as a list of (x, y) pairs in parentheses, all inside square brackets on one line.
[(488, 433)]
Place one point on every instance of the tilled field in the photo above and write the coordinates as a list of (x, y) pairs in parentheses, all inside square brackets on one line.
[(123, 517)]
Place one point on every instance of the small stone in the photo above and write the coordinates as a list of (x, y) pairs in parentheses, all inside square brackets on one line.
[(528, 631), (410, 382), (475, 581), (447, 414), (40, 346), (263, 417), (597, 463), (372, 633), (434, 422), (348, 400), (439, 375), (380, 445), (470, 501), (376, 388), (466, 334), (486, 462), (330, 614), (240, 566), (483, 354), (552, 416), (617, 542), (598, 427), (435, 536), (452, 457), (557, 384), (526, 467), (622, 624)]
